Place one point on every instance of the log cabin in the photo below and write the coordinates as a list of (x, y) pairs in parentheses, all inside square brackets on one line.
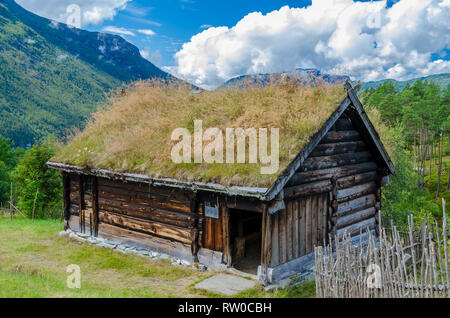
[(331, 185)]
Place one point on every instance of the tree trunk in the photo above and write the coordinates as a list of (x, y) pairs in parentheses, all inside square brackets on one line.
[(439, 168), (448, 181)]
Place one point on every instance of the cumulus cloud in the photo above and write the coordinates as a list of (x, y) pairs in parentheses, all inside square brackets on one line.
[(92, 11), (366, 40)]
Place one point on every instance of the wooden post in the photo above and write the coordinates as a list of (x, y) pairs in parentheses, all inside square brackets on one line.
[(266, 241), (34, 204), (11, 206), (95, 221), (226, 235), (66, 198), (81, 203)]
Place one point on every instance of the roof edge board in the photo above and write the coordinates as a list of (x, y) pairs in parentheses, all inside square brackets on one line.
[(371, 129), (257, 193), (290, 170)]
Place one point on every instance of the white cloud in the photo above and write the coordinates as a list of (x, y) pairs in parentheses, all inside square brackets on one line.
[(364, 39), (154, 57), (92, 11), (146, 32), (117, 30)]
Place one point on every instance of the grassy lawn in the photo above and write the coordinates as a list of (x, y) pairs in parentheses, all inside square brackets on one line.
[(33, 261)]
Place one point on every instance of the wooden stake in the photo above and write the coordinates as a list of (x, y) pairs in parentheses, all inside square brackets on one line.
[(34, 205)]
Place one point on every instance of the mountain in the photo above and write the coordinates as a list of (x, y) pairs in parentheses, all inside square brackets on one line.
[(53, 76), (441, 79), (300, 75)]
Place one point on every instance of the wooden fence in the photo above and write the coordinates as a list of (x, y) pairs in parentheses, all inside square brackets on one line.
[(394, 265)]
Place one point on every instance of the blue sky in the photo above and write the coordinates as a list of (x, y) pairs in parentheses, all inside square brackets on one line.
[(208, 42), (178, 20)]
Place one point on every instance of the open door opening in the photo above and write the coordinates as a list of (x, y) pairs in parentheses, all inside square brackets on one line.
[(245, 240)]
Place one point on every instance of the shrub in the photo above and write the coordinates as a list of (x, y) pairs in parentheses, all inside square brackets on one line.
[(35, 182)]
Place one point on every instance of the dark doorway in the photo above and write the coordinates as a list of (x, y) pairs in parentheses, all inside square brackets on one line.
[(245, 240)]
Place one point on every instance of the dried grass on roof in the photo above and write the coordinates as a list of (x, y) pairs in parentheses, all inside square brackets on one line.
[(133, 133)]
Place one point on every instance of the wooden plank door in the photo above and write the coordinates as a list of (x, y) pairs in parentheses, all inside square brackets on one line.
[(312, 227), (214, 236)]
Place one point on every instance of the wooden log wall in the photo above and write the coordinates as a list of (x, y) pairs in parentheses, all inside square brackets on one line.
[(336, 190), (157, 212)]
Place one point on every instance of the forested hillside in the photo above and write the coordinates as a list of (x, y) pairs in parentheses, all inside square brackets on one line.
[(419, 119), (52, 77)]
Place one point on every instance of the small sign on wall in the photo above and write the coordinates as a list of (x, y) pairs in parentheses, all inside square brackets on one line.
[(211, 211)]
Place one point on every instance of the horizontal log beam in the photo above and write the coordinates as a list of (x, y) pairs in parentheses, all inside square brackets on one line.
[(341, 136), (355, 205), (326, 162), (341, 222), (323, 174), (326, 185), (338, 148), (356, 192), (147, 213), (356, 179), (344, 124), (355, 229), (170, 193), (163, 230), (146, 199)]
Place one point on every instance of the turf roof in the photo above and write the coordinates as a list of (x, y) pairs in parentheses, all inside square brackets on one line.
[(133, 132)]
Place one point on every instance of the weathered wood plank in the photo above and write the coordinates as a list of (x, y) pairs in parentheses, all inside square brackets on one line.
[(267, 238), (147, 213), (341, 136), (95, 208), (164, 230), (357, 179), (295, 229), (338, 148), (338, 172), (218, 233), (344, 124), (289, 234), (355, 229), (226, 235), (303, 227), (66, 196), (355, 205), (319, 187), (308, 225), (146, 241), (319, 220), (356, 192), (209, 234), (275, 244), (282, 237), (355, 218), (141, 198), (169, 193), (325, 162)]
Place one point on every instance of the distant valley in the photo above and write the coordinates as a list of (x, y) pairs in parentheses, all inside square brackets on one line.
[(52, 76)]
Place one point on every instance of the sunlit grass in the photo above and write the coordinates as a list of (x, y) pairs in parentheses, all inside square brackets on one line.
[(33, 262), (133, 134)]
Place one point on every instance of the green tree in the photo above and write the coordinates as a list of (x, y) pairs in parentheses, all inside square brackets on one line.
[(8, 160), (37, 186)]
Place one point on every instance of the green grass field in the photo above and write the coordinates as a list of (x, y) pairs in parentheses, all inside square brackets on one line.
[(33, 262)]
